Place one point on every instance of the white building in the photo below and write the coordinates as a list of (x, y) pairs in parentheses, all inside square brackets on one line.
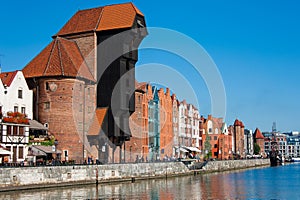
[(195, 122), (182, 123), (189, 125), (15, 96)]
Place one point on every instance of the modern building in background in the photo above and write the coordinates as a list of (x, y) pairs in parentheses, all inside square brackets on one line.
[(154, 126), (248, 142)]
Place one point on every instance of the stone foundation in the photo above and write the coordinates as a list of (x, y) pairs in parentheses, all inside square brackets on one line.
[(54, 176)]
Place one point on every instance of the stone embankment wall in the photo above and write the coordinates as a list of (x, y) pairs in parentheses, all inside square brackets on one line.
[(213, 166), (53, 176)]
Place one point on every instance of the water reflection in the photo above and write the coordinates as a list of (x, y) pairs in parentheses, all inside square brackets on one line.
[(263, 183)]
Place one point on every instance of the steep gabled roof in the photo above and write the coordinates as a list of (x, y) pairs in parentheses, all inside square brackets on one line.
[(258, 134), (239, 123), (110, 17), (61, 57), (97, 122), (8, 77)]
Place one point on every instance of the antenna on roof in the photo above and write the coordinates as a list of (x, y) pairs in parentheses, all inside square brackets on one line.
[(1, 55)]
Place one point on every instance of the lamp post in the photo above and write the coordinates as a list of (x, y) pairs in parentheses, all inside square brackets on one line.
[(55, 144), (152, 151)]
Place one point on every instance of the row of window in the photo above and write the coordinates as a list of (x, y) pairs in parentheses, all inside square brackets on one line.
[(16, 109), (20, 151), (14, 130)]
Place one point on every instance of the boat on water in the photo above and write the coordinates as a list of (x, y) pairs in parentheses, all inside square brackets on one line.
[(295, 159)]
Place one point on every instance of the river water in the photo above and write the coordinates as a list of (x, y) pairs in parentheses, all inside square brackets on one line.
[(281, 182)]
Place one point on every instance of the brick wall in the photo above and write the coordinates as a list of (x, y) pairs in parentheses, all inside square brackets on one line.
[(87, 45), (61, 105)]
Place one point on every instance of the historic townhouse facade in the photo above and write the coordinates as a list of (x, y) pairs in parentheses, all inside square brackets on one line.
[(166, 133), (248, 142), (238, 132), (182, 125), (16, 96), (15, 109), (175, 126), (195, 125), (138, 146)]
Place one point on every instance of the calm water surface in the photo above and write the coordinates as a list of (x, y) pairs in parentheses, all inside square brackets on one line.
[(263, 183)]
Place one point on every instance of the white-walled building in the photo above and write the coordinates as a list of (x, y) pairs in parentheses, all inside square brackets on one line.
[(15, 97), (189, 125), (182, 123)]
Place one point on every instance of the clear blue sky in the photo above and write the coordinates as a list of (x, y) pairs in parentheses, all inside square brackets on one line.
[(255, 45)]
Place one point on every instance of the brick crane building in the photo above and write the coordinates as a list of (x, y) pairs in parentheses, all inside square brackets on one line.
[(79, 71)]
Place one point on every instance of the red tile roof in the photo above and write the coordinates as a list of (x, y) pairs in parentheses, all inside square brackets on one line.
[(238, 123), (8, 77), (258, 134), (61, 57), (110, 17), (97, 122)]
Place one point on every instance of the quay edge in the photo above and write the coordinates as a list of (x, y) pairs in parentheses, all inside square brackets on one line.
[(62, 176)]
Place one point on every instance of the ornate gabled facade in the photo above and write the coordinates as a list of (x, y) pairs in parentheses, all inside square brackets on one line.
[(15, 109), (238, 139), (182, 119), (79, 70), (175, 126), (166, 125)]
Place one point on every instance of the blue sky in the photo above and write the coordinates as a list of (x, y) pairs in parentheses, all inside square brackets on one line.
[(255, 45)]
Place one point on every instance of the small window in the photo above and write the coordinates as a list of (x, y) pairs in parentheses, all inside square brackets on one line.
[(23, 110), (15, 108), (21, 153), (21, 130), (15, 130), (210, 130), (215, 138), (89, 109), (20, 94), (66, 153), (8, 130), (216, 146), (46, 105), (89, 92), (47, 85)]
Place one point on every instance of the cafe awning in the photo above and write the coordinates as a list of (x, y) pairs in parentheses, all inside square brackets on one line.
[(38, 150), (195, 149), (4, 152), (33, 124), (182, 149)]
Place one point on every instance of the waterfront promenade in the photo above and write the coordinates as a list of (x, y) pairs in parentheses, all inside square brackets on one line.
[(54, 176)]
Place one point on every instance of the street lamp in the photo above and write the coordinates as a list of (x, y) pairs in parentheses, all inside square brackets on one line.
[(152, 151), (55, 144)]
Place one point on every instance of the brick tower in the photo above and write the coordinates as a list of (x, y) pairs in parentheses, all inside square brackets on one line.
[(79, 71)]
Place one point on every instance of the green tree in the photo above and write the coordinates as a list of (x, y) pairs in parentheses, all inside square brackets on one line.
[(256, 149), (207, 146)]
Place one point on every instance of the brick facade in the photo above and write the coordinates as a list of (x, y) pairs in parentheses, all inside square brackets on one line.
[(166, 134), (67, 105)]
